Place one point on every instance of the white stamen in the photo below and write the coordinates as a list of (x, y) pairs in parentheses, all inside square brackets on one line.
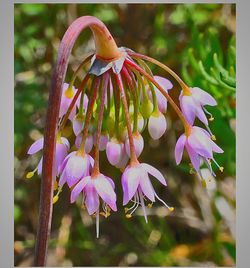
[(170, 208)]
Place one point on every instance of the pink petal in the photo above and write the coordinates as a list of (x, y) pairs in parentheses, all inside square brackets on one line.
[(188, 108), (92, 198), (114, 151), (199, 142), (194, 157), (147, 187), (36, 146), (179, 147), (216, 148), (201, 115), (105, 190), (77, 125), (78, 188), (62, 179), (138, 143), (40, 166), (65, 142), (154, 172), (130, 182), (203, 97), (61, 153)]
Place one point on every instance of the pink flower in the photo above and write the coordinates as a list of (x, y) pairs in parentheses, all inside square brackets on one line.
[(193, 105), (62, 147), (114, 151), (74, 167), (88, 143), (161, 100), (138, 143), (67, 97), (94, 189), (137, 186), (157, 125), (199, 147)]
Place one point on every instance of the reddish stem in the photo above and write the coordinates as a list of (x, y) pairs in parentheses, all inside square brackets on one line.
[(95, 87), (166, 95), (103, 39), (133, 158), (96, 170)]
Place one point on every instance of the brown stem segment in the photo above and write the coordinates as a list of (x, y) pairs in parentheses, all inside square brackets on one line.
[(166, 95), (95, 87), (105, 48), (133, 158), (96, 170)]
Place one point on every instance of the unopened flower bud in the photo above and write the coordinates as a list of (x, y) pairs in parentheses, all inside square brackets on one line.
[(157, 125)]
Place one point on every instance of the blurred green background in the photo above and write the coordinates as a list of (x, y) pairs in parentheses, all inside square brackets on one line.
[(198, 42)]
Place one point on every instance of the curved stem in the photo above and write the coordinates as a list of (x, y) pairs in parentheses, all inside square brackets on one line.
[(170, 100), (133, 158), (105, 48), (99, 126), (163, 66)]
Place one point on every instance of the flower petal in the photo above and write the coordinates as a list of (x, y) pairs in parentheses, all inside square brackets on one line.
[(179, 147), (203, 97), (194, 157), (105, 190), (40, 166), (201, 115), (92, 198), (188, 108), (130, 182), (61, 153), (36, 146), (154, 172), (146, 186), (78, 188)]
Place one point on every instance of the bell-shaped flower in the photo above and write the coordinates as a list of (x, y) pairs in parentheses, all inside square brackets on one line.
[(138, 143), (75, 167), (199, 146), (114, 151), (62, 147), (157, 125), (161, 100), (95, 189), (123, 161), (192, 104), (88, 144), (137, 187)]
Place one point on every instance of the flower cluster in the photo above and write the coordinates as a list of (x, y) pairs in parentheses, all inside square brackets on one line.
[(118, 100)]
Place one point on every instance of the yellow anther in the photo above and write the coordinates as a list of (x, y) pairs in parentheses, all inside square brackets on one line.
[(150, 205), (126, 210), (106, 215), (69, 93), (55, 185), (55, 199), (83, 207), (203, 184), (221, 169), (213, 137), (128, 216), (122, 169), (211, 118), (30, 174), (171, 209)]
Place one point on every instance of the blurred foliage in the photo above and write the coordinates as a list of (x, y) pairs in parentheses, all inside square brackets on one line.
[(195, 40)]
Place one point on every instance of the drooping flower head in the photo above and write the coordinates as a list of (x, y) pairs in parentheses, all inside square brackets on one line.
[(110, 110)]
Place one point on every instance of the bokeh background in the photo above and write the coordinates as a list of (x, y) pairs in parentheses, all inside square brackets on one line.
[(198, 42)]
